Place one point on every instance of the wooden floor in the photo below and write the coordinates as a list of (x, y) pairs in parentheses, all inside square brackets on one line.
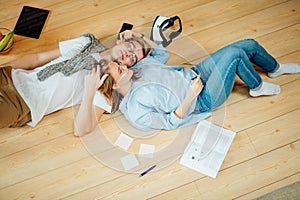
[(48, 162)]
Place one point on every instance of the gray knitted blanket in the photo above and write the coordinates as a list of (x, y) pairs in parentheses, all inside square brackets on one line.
[(83, 60)]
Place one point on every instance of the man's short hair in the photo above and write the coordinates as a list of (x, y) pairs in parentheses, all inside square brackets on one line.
[(145, 46)]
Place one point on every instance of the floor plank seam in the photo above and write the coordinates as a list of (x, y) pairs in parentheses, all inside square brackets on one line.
[(46, 141), (41, 174), (278, 30), (266, 186)]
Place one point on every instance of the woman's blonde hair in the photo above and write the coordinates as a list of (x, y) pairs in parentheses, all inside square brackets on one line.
[(107, 90), (107, 87)]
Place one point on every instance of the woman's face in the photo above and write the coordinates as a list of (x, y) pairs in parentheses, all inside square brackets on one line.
[(120, 73), (127, 52)]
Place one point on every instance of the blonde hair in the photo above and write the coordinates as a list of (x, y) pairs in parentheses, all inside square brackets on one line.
[(107, 87), (107, 90)]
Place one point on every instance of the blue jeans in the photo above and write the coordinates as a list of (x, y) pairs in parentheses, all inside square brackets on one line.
[(218, 71)]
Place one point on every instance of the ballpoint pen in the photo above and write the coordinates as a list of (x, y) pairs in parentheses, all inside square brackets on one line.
[(148, 170)]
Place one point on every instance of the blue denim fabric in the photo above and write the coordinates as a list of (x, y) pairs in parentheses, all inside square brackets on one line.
[(218, 71)]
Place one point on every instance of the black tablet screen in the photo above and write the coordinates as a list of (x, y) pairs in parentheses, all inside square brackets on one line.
[(31, 22)]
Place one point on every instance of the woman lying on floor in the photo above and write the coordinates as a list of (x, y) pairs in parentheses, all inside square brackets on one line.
[(156, 96)]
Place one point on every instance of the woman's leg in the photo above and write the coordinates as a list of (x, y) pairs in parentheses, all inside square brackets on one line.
[(259, 56), (218, 75)]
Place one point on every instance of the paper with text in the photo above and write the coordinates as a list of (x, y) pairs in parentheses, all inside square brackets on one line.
[(207, 148)]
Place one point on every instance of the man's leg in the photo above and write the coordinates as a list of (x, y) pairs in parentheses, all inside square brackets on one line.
[(13, 110)]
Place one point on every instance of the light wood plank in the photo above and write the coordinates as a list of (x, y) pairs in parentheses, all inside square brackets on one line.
[(281, 131), (286, 136), (18, 139), (241, 179), (40, 159), (237, 116), (61, 182), (165, 179), (185, 192), (47, 162), (101, 29), (282, 16), (269, 188)]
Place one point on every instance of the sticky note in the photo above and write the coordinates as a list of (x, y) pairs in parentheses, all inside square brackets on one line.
[(124, 141), (129, 161), (146, 150)]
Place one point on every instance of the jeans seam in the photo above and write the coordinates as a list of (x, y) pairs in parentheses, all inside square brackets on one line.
[(252, 76), (223, 81), (269, 60)]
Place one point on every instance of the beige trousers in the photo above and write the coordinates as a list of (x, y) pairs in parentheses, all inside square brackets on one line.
[(13, 110)]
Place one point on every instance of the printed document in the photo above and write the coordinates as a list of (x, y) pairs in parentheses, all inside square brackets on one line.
[(207, 148)]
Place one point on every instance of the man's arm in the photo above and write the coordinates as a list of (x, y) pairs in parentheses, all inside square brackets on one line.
[(158, 51), (32, 61)]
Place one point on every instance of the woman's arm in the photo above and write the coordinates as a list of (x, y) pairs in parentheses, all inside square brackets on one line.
[(194, 90), (88, 115), (32, 61), (148, 115)]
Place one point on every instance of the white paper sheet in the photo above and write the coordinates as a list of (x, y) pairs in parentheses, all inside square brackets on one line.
[(124, 141), (146, 150), (129, 161), (207, 149)]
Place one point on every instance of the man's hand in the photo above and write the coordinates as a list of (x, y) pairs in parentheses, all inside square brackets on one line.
[(125, 35)]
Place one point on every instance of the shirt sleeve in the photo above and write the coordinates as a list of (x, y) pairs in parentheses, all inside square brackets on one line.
[(156, 120), (148, 115), (152, 114), (160, 54), (159, 121), (101, 101), (70, 48)]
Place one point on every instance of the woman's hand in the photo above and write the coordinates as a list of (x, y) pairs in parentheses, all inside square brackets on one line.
[(194, 90), (92, 80), (195, 87)]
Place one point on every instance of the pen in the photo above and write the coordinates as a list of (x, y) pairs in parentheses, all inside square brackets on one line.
[(147, 171)]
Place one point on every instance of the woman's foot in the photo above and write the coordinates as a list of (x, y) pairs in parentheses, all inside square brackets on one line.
[(265, 89), (286, 68)]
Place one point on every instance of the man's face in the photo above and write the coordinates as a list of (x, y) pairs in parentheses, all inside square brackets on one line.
[(127, 52)]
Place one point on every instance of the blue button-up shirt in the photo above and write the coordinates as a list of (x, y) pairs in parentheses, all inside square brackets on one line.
[(153, 98)]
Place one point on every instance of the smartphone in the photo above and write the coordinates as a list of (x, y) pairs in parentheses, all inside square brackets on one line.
[(125, 27)]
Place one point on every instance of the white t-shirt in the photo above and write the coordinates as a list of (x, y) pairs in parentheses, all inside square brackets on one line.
[(58, 91)]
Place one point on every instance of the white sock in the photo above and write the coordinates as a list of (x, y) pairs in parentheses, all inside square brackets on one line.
[(286, 68), (266, 89)]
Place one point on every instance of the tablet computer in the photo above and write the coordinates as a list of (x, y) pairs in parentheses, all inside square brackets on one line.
[(31, 22)]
